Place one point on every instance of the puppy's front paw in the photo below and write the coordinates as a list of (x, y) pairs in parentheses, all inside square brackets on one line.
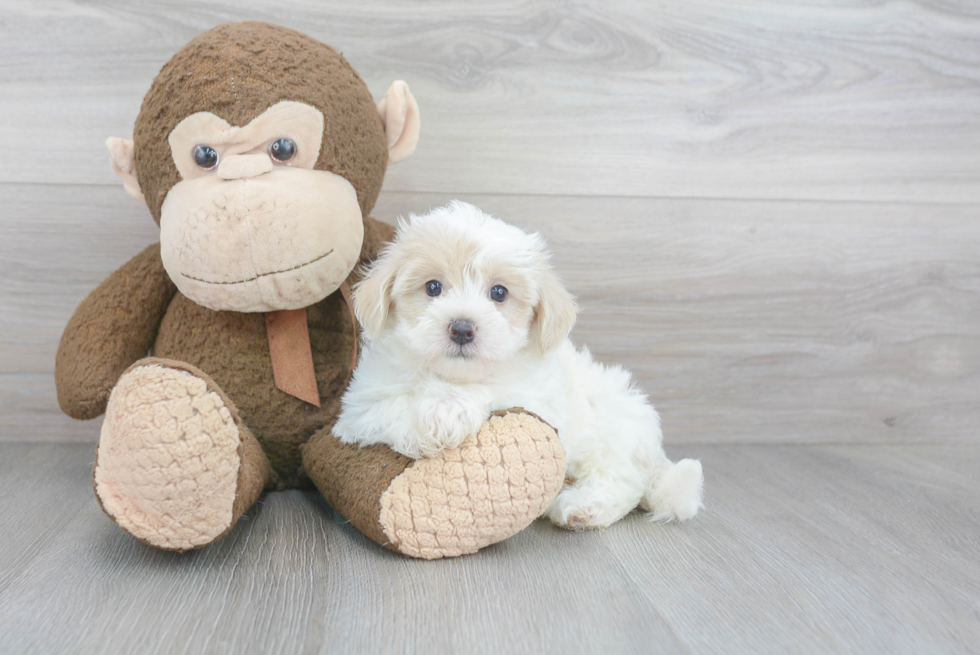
[(445, 422)]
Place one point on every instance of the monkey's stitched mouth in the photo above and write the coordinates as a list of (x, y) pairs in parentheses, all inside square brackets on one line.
[(256, 277)]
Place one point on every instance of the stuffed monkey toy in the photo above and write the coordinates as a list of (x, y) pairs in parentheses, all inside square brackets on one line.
[(219, 355)]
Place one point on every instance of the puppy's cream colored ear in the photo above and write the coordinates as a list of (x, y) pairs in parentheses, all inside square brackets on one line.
[(554, 316), (400, 113), (372, 295), (122, 158)]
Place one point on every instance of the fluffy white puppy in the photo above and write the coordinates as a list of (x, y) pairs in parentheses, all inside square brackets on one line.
[(463, 315)]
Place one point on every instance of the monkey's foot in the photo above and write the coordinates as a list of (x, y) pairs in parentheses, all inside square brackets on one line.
[(486, 490), (175, 467)]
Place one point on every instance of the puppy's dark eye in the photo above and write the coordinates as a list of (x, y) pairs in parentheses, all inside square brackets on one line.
[(282, 150), (433, 288), (498, 293), (206, 157)]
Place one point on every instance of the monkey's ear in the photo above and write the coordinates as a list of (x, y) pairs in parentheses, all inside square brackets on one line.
[(400, 113), (123, 161)]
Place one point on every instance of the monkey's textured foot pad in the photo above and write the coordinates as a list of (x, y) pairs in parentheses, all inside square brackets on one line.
[(491, 487), (168, 459)]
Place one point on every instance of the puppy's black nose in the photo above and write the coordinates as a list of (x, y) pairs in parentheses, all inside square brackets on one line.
[(461, 332)]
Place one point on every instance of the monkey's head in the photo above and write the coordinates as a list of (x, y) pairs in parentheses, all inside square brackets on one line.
[(259, 151)]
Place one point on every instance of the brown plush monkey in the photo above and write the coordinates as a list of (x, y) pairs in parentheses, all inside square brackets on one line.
[(219, 355)]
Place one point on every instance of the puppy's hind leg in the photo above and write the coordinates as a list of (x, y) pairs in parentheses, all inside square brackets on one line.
[(595, 500), (674, 493)]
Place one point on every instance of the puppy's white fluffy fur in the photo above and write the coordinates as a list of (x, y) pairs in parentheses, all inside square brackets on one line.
[(418, 391)]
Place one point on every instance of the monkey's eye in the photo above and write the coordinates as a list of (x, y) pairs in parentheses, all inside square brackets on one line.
[(498, 293), (433, 288), (282, 150), (206, 157)]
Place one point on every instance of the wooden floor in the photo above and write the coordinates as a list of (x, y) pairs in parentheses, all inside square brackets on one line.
[(770, 212), (819, 549)]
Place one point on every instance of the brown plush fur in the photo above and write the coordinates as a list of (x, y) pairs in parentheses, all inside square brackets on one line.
[(135, 312), (233, 348), (113, 327), (352, 479), (236, 71)]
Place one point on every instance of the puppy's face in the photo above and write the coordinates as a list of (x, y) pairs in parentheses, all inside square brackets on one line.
[(462, 291)]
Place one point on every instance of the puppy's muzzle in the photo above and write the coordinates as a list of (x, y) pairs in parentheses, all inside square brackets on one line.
[(461, 332)]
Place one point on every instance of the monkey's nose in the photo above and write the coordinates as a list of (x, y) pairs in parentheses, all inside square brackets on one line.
[(461, 332), (237, 167)]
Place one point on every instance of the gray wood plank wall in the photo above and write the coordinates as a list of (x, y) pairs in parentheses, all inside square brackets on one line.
[(769, 210)]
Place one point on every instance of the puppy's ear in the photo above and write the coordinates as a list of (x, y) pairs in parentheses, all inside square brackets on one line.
[(554, 316), (372, 295)]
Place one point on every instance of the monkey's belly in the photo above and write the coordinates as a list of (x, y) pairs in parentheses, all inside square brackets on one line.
[(233, 349)]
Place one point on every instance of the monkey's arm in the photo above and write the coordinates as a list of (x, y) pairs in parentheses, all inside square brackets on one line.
[(112, 328)]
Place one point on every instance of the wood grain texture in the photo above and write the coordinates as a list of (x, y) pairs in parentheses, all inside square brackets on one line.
[(768, 211), (746, 322), (756, 99), (801, 549)]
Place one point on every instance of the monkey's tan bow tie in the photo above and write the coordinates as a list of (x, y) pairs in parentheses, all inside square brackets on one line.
[(292, 356)]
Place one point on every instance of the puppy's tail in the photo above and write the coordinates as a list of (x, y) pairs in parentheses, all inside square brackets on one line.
[(675, 493)]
